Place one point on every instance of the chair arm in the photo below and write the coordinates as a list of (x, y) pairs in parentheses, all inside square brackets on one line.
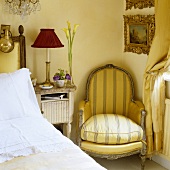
[(84, 114), (136, 111), (84, 111)]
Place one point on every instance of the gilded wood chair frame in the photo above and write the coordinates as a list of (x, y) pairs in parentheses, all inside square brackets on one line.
[(141, 151)]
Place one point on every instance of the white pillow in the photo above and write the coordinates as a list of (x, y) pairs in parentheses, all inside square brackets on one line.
[(17, 96)]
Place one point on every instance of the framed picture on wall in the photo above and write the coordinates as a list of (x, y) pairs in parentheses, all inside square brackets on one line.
[(139, 4), (139, 31)]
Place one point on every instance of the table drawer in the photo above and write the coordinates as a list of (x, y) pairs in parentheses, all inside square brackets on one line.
[(56, 111)]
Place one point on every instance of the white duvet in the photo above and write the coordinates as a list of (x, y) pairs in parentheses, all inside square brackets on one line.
[(27, 140), (69, 159), (39, 146), (29, 135)]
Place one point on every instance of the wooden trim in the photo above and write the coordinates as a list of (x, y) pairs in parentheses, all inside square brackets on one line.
[(22, 45)]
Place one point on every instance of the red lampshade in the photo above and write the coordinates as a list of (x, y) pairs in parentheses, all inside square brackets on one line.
[(47, 39)]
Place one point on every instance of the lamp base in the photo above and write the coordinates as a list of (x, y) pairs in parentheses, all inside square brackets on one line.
[(47, 82)]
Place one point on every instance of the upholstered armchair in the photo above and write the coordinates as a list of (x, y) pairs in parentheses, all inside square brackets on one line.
[(111, 122)]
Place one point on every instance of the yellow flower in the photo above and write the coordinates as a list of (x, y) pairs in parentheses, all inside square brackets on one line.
[(66, 32), (70, 37), (75, 28), (69, 25)]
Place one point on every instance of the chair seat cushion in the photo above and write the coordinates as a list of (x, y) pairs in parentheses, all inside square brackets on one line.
[(111, 129), (102, 149)]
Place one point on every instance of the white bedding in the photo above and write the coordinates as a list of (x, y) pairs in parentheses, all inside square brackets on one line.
[(43, 148), (27, 140), (68, 159), (29, 135)]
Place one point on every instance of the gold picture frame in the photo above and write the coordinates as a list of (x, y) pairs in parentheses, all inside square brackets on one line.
[(139, 31), (139, 4)]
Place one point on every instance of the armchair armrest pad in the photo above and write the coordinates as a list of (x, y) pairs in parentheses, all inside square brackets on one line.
[(82, 105), (84, 109), (135, 111)]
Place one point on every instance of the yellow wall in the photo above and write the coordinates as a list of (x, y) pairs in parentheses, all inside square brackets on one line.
[(99, 39)]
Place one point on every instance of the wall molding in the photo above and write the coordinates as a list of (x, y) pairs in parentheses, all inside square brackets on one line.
[(162, 160)]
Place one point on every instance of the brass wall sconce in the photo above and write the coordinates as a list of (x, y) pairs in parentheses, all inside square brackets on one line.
[(6, 42)]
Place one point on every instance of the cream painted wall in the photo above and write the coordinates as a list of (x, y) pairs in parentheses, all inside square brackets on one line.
[(99, 39), (135, 63)]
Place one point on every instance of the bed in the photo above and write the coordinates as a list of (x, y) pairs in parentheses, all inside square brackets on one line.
[(27, 140)]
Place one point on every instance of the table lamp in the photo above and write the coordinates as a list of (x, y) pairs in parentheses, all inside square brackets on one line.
[(47, 39)]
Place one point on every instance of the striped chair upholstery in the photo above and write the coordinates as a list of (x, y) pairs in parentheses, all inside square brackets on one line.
[(111, 122), (111, 129), (110, 91)]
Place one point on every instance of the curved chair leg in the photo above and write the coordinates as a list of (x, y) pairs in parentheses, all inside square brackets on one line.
[(143, 159)]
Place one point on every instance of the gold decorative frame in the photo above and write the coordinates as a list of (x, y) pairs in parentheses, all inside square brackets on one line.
[(139, 31), (139, 4)]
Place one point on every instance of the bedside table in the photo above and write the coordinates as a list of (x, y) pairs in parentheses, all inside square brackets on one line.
[(57, 105)]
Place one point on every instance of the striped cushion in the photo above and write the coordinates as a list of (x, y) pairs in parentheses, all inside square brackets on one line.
[(111, 129)]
